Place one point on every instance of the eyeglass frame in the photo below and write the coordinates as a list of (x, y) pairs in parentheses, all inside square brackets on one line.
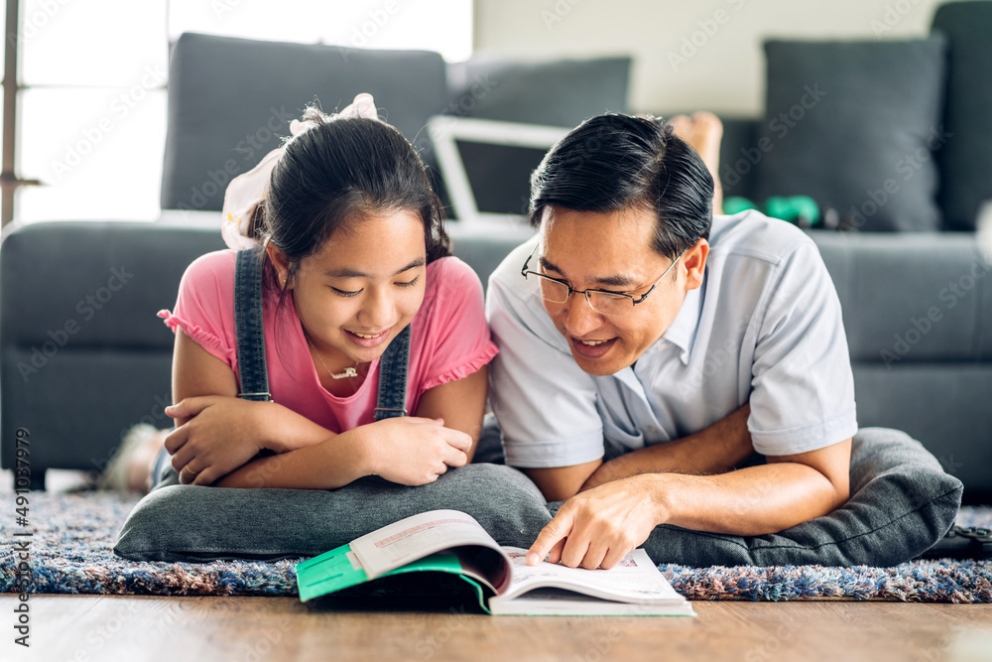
[(524, 271)]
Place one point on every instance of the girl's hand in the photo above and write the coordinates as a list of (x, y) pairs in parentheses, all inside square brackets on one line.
[(412, 450), (221, 435)]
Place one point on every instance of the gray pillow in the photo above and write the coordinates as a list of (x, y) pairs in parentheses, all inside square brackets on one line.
[(194, 523), (553, 92), (966, 161), (902, 503), (231, 99), (854, 125)]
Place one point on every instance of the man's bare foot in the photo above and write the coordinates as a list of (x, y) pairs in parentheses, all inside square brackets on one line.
[(703, 131)]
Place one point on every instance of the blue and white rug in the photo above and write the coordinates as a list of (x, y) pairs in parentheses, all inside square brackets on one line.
[(71, 552)]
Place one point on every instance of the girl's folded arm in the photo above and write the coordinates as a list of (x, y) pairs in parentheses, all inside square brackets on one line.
[(323, 466), (461, 403), (302, 459), (197, 372), (362, 451)]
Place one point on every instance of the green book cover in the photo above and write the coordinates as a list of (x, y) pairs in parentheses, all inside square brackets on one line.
[(453, 543), (334, 571)]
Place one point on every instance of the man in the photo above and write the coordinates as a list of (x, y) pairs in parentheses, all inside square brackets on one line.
[(647, 349)]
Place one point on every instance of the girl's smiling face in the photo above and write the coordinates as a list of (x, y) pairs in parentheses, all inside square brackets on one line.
[(362, 287)]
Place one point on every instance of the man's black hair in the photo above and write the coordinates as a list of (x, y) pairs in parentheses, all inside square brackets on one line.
[(615, 162)]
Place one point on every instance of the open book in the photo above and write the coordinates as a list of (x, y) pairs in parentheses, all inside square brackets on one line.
[(451, 541)]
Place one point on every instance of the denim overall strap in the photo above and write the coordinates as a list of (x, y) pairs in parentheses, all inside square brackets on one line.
[(393, 367), (248, 324)]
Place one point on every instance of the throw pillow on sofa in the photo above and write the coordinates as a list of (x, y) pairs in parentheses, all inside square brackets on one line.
[(854, 125), (966, 161)]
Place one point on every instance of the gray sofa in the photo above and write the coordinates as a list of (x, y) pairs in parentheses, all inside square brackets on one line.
[(77, 393), (83, 355)]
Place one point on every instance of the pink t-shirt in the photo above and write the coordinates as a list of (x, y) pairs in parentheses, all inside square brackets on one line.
[(449, 338)]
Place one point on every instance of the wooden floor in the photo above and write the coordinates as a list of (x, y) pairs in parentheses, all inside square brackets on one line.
[(133, 628)]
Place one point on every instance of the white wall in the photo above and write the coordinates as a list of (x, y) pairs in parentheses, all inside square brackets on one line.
[(724, 73)]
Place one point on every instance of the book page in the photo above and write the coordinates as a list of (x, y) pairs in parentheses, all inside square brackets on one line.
[(635, 579), (559, 602), (414, 537)]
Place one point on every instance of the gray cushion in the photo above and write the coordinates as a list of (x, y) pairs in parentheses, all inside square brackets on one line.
[(225, 92), (966, 160), (919, 329), (850, 124), (552, 92), (195, 523), (902, 504)]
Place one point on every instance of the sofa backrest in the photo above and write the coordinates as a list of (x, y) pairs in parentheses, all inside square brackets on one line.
[(83, 355), (550, 92), (231, 99), (738, 161)]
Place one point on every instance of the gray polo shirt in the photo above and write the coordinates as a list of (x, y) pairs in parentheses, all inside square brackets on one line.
[(765, 326)]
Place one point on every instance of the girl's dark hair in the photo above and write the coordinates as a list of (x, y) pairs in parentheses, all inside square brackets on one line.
[(336, 172), (614, 162)]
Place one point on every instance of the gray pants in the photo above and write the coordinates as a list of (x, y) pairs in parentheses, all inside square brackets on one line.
[(901, 503)]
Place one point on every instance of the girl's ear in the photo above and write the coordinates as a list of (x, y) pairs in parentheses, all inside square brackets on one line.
[(281, 264)]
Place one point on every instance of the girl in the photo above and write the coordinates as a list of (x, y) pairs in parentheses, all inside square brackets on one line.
[(354, 254)]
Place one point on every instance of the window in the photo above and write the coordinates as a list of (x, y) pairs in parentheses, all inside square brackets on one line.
[(92, 85)]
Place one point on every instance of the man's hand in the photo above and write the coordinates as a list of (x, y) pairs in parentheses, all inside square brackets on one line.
[(598, 527), (221, 435)]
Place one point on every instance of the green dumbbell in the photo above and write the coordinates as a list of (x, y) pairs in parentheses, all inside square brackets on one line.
[(735, 205), (799, 209)]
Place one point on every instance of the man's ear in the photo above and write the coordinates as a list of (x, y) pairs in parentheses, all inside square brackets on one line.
[(694, 263), (281, 264)]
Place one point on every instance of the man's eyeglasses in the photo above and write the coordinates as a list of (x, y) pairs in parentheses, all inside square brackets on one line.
[(601, 301)]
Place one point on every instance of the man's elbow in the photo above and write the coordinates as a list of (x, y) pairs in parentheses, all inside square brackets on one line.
[(839, 476), (557, 493), (833, 464), (835, 490), (553, 490), (842, 492), (562, 483)]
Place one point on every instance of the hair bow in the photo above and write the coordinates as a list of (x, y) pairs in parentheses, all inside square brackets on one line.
[(246, 190)]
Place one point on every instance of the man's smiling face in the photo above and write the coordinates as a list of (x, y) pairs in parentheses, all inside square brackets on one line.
[(612, 252)]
